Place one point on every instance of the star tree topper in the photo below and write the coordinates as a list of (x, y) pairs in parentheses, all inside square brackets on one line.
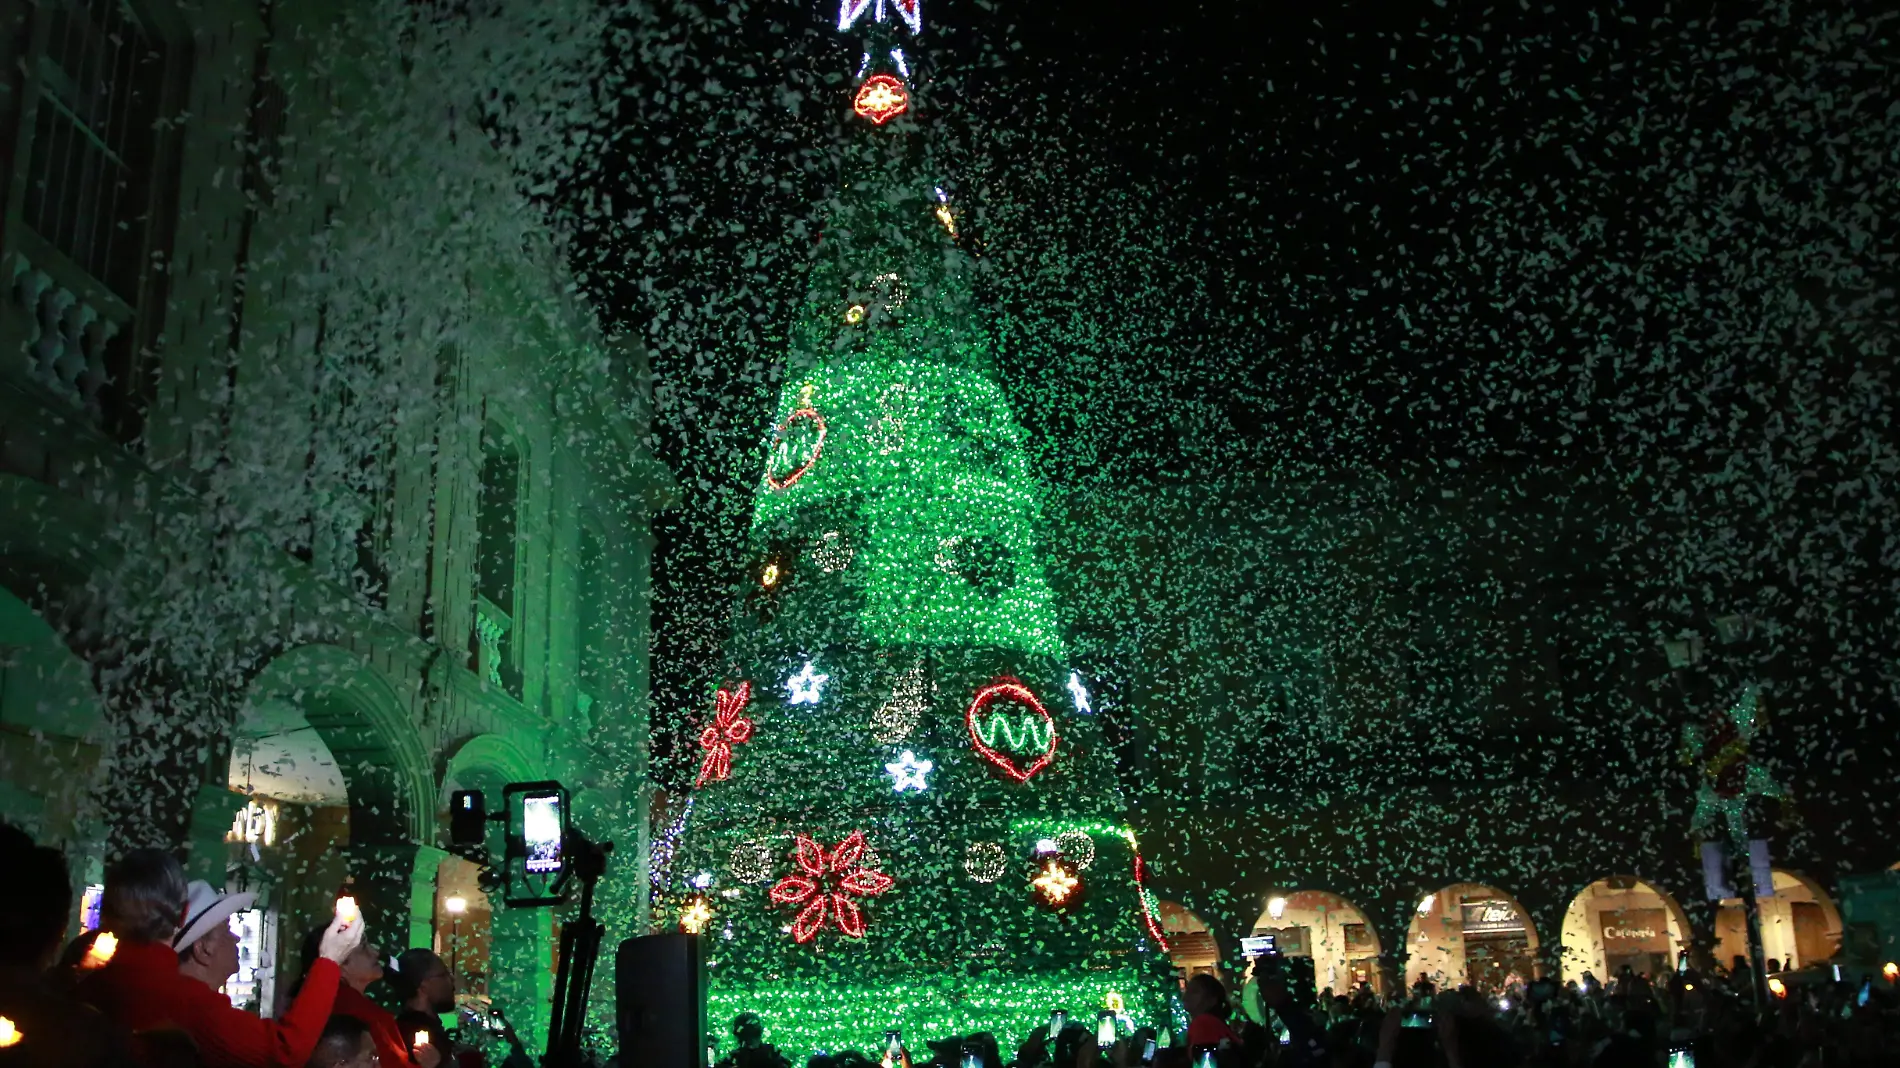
[(910, 11)]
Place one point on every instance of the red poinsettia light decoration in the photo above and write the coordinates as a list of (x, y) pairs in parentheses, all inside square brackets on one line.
[(825, 884)]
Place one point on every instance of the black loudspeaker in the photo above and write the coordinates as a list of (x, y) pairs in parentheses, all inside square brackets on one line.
[(468, 818), (660, 991)]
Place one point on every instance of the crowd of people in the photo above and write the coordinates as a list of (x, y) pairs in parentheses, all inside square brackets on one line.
[(1686, 1020), (144, 990)]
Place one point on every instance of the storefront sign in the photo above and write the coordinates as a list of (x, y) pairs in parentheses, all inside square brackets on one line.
[(1287, 941), (1634, 931), (1491, 917)]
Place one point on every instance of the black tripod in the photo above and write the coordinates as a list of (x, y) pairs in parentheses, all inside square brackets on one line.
[(580, 949)]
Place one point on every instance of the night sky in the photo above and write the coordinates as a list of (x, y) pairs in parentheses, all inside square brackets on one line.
[(1226, 244)]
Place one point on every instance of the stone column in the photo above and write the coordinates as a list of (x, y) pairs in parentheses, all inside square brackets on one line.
[(212, 811), (1391, 978), (394, 886), (1701, 914), (1544, 904), (165, 743)]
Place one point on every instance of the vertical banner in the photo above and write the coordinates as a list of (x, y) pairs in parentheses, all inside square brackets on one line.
[(1760, 869), (1715, 885)]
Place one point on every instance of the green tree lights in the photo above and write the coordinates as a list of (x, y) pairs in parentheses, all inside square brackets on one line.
[(905, 690)]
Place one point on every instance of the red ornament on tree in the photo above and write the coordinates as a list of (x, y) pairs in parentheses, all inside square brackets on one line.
[(795, 447), (1036, 724), (728, 728), (881, 98), (826, 883)]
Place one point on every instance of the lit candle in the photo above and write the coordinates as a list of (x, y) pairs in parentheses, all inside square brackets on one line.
[(422, 1038), (1891, 971), (1777, 987), (101, 950), (346, 909), (9, 1034)]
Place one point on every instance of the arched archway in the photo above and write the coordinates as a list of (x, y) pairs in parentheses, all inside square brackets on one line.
[(51, 729), (499, 955), (1800, 924), (1191, 943), (328, 731), (1471, 933), (1337, 934), (52, 743), (78, 564), (367, 728), (1622, 921)]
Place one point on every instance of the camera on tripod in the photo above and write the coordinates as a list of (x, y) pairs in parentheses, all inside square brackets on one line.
[(541, 851), (542, 854)]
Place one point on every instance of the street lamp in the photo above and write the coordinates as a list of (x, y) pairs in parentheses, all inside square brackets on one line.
[(456, 906)]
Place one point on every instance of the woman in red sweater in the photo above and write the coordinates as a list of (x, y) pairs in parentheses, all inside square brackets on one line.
[(146, 987)]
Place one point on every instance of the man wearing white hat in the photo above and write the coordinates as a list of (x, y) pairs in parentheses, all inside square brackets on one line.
[(175, 949), (207, 950)]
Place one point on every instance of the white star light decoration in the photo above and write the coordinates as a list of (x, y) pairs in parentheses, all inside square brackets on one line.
[(907, 772), (806, 687), (1081, 693)]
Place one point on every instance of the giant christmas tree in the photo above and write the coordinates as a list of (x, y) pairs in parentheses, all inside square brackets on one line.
[(905, 814)]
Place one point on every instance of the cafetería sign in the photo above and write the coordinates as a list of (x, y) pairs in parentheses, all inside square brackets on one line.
[(1634, 931)]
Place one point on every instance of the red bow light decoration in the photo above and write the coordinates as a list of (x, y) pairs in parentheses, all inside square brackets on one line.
[(728, 728), (825, 885)]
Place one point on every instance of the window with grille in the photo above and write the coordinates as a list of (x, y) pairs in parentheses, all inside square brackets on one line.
[(496, 625), (101, 73)]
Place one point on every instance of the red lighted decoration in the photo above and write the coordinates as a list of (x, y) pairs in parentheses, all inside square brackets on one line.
[(1008, 689), (728, 728), (780, 449), (881, 98), (825, 884), (1147, 910)]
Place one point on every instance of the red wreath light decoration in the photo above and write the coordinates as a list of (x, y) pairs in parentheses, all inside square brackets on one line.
[(1012, 689), (825, 885), (881, 98), (728, 728), (779, 435)]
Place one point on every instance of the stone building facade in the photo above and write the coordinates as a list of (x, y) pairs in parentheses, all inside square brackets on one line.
[(1437, 717), (321, 492)]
